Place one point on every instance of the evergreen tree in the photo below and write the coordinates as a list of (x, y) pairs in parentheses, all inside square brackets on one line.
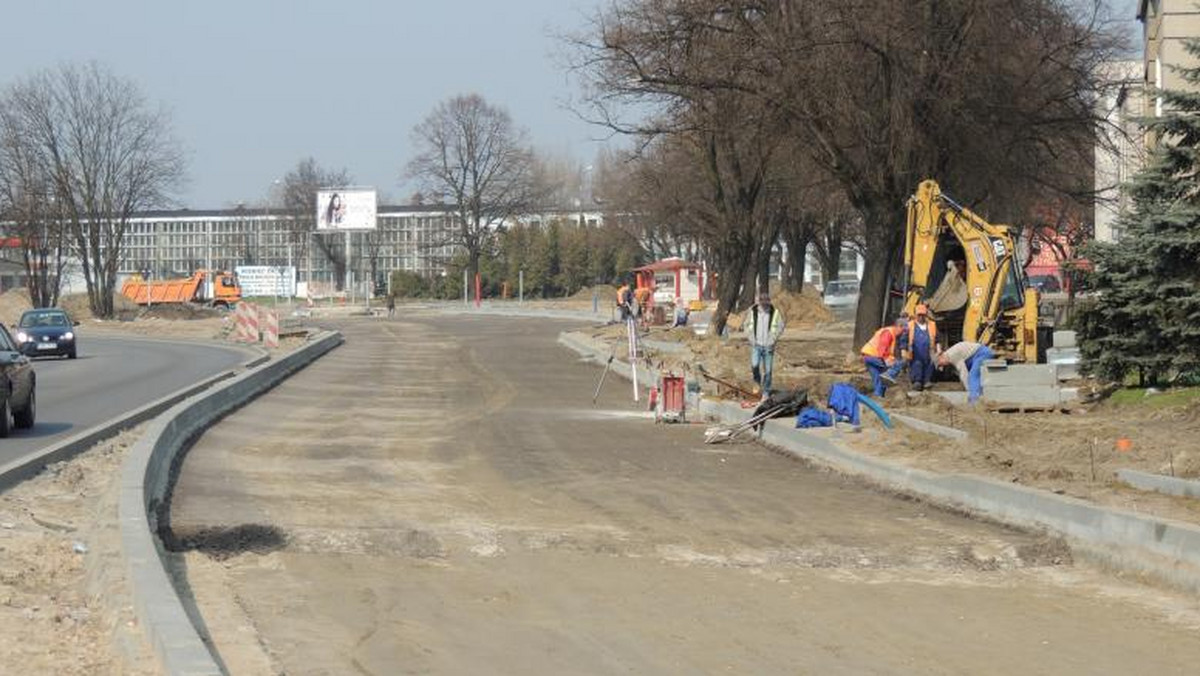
[(575, 259), (1145, 317)]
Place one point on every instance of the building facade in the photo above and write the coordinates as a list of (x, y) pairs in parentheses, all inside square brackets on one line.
[(1120, 150), (177, 243), (1166, 25), (169, 244)]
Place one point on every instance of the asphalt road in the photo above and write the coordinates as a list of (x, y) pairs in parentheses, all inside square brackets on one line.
[(111, 376), (439, 495)]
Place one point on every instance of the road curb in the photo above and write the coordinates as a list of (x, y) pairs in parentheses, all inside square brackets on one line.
[(173, 627), (1186, 488), (1165, 549), (16, 471)]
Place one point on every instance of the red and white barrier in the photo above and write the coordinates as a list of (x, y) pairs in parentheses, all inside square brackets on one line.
[(270, 324), (240, 332), (246, 317)]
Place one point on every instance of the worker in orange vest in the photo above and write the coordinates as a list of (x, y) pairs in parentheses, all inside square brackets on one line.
[(879, 353), (922, 347), (641, 299)]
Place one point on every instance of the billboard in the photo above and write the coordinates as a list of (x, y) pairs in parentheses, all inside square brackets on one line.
[(266, 280), (345, 209)]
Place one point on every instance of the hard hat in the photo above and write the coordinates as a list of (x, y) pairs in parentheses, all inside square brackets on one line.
[(922, 309)]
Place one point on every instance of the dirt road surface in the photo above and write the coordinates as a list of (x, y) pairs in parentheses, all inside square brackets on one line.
[(440, 496)]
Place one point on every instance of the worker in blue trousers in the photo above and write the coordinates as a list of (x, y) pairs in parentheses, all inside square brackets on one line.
[(922, 342), (879, 355), (968, 359)]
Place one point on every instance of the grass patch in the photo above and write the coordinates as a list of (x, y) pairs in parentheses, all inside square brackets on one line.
[(1136, 396)]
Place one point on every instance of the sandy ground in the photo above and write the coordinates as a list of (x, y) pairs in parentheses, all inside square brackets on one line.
[(439, 495), (64, 600)]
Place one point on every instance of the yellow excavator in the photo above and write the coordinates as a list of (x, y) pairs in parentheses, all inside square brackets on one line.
[(966, 271)]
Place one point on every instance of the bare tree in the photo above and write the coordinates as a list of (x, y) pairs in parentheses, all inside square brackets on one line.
[(108, 155), (29, 208), (300, 186), (470, 153), (996, 99)]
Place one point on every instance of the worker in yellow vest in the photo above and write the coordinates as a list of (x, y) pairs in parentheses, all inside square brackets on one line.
[(922, 348), (879, 354)]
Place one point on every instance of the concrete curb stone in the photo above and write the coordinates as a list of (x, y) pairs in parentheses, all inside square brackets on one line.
[(1170, 485), (1165, 549), (173, 627)]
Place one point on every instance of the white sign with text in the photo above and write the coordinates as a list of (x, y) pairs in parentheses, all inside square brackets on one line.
[(266, 280)]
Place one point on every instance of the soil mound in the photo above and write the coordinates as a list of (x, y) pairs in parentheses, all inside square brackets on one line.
[(802, 309), (184, 311), (76, 305)]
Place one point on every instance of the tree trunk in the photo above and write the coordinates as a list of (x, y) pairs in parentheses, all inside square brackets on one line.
[(731, 274), (829, 251), (797, 238), (883, 243)]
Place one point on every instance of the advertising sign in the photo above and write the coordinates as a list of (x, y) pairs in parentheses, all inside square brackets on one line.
[(266, 280), (345, 209)]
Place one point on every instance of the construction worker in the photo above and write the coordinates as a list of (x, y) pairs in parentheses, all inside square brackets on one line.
[(922, 347), (878, 354), (641, 298), (763, 326), (968, 358), (623, 297), (680, 314)]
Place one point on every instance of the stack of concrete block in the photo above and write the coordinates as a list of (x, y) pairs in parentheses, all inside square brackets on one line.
[(1064, 355), (1032, 385)]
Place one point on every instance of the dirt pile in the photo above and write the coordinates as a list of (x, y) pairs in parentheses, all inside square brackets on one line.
[(76, 305), (181, 311), (802, 309)]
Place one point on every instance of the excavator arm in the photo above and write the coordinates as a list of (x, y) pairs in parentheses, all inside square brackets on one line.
[(954, 256)]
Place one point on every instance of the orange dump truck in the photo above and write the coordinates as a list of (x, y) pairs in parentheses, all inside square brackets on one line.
[(223, 291)]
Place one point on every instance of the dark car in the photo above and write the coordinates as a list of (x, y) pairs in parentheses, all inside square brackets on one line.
[(46, 332), (18, 385)]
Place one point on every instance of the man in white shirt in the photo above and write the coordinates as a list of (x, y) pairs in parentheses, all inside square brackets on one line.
[(763, 326)]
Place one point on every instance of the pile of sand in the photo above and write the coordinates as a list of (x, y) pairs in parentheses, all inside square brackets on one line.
[(13, 303), (802, 309), (182, 311), (76, 305)]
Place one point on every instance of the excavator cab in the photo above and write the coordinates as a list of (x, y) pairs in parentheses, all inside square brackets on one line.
[(965, 269)]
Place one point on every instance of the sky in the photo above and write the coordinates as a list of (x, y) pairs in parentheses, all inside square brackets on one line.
[(254, 86)]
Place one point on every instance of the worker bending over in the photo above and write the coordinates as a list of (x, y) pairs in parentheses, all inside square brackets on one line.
[(922, 342), (879, 355), (968, 358), (763, 327)]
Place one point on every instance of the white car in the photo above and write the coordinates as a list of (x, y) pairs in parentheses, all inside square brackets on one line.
[(840, 293)]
